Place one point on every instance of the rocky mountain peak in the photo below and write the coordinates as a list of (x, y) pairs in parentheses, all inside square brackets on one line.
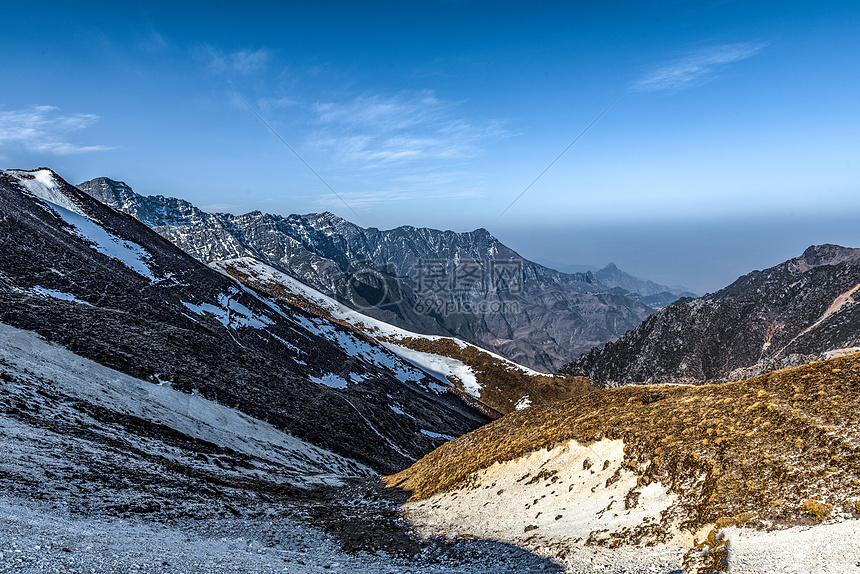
[(828, 254)]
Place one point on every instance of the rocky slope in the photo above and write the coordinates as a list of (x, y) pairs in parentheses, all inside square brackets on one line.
[(466, 285), (799, 310), (108, 288), (668, 466)]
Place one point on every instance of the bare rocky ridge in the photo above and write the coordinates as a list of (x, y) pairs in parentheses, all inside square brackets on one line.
[(787, 315), (541, 322), (103, 285)]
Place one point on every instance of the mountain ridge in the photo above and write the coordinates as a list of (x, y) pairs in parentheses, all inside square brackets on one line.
[(494, 385), (407, 276), (105, 286)]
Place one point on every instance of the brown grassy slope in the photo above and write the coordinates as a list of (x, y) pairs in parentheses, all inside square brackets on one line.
[(767, 445), (502, 385)]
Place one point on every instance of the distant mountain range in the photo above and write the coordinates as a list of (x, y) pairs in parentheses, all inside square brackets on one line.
[(803, 309), (464, 285), (612, 276), (652, 294)]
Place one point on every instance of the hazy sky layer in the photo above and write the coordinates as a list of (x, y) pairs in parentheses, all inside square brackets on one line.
[(732, 143)]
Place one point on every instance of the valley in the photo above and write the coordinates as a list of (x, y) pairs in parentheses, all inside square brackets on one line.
[(232, 409)]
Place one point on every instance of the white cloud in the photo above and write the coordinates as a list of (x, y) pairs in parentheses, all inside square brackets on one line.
[(379, 131), (45, 129), (696, 68)]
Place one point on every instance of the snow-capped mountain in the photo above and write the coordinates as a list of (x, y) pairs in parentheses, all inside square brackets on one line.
[(101, 284), (800, 310), (464, 285), (493, 384)]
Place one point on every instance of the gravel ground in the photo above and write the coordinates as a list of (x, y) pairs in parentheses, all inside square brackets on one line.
[(40, 539)]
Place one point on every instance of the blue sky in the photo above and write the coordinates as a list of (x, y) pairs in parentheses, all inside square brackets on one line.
[(734, 143)]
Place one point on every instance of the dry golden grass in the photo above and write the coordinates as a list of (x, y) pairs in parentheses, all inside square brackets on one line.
[(502, 385), (783, 447)]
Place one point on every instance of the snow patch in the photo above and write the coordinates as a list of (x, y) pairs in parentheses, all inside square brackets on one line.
[(42, 184), (131, 254), (561, 495), (821, 548), (53, 293), (432, 434), (231, 313), (330, 380), (523, 403), (440, 367)]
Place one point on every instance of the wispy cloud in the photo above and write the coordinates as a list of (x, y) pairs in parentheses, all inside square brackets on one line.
[(45, 129), (378, 131), (696, 68), (243, 62), (149, 39), (370, 199), (153, 41)]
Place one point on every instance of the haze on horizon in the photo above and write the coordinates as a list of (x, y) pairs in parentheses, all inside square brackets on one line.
[(734, 143)]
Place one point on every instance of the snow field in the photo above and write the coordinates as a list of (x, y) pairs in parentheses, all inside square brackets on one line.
[(192, 415)]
